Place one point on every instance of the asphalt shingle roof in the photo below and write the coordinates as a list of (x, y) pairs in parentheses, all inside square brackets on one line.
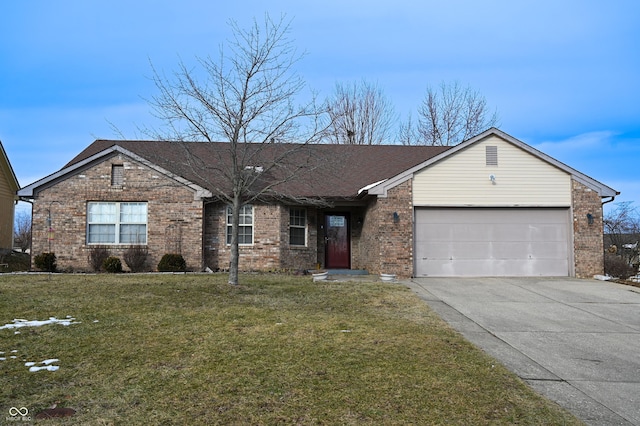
[(328, 171)]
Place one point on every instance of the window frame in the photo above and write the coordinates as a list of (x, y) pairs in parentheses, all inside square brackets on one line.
[(292, 226), (117, 223), (242, 226)]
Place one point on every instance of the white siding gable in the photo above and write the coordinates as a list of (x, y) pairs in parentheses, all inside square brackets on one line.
[(464, 179)]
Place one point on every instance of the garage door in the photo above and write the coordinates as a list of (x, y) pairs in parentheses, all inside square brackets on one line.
[(492, 242)]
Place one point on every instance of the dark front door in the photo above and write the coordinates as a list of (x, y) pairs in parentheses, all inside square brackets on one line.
[(337, 242)]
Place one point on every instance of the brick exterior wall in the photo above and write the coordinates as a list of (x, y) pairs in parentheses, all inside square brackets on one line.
[(587, 238), (379, 243), (387, 245), (270, 250), (174, 222)]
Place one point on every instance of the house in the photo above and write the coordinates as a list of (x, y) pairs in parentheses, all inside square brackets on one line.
[(490, 206), (8, 198)]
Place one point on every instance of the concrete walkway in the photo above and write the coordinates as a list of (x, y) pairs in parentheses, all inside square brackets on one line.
[(576, 342)]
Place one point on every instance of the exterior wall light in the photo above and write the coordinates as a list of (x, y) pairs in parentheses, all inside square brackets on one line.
[(493, 179), (396, 217), (590, 218)]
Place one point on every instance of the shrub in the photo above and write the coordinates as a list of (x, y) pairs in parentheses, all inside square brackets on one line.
[(172, 263), (14, 261), (617, 267), (112, 264), (136, 258), (97, 256), (46, 262)]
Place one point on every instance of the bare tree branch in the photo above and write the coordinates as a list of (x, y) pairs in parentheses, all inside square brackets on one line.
[(452, 114), (22, 231), (244, 97), (360, 114), (622, 229)]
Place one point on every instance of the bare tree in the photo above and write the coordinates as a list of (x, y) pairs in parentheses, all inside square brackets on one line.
[(451, 114), (22, 231), (360, 114), (244, 97), (622, 231), (407, 134)]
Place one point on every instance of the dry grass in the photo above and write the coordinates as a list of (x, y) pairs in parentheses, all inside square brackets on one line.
[(190, 349)]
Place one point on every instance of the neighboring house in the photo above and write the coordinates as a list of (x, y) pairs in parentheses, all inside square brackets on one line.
[(8, 198), (490, 206)]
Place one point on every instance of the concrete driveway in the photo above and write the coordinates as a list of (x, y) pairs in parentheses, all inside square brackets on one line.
[(575, 341)]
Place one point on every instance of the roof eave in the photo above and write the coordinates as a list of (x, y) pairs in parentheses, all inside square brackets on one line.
[(602, 189), (13, 180), (28, 191)]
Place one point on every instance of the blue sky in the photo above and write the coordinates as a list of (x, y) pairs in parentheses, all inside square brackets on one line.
[(564, 76)]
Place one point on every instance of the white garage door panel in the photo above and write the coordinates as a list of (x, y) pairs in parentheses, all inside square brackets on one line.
[(488, 268), (494, 232), (492, 242), (496, 250)]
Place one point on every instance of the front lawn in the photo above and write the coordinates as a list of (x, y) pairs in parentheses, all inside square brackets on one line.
[(190, 349)]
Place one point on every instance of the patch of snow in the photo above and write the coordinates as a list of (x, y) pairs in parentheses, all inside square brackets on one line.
[(47, 365), (18, 323), (368, 187), (602, 277), (48, 368)]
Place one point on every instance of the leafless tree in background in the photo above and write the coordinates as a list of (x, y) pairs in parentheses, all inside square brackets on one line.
[(244, 97), (407, 133), (622, 231), (22, 231), (360, 114), (451, 114)]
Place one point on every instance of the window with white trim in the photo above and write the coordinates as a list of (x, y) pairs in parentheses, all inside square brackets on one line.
[(245, 230), (297, 227), (116, 223)]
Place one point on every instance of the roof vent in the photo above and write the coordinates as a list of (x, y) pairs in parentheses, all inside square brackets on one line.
[(492, 155)]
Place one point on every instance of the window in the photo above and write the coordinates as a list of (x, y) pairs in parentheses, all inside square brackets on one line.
[(492, 155), (117, 175), (245, 231), (297, 227), (116, 223)]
